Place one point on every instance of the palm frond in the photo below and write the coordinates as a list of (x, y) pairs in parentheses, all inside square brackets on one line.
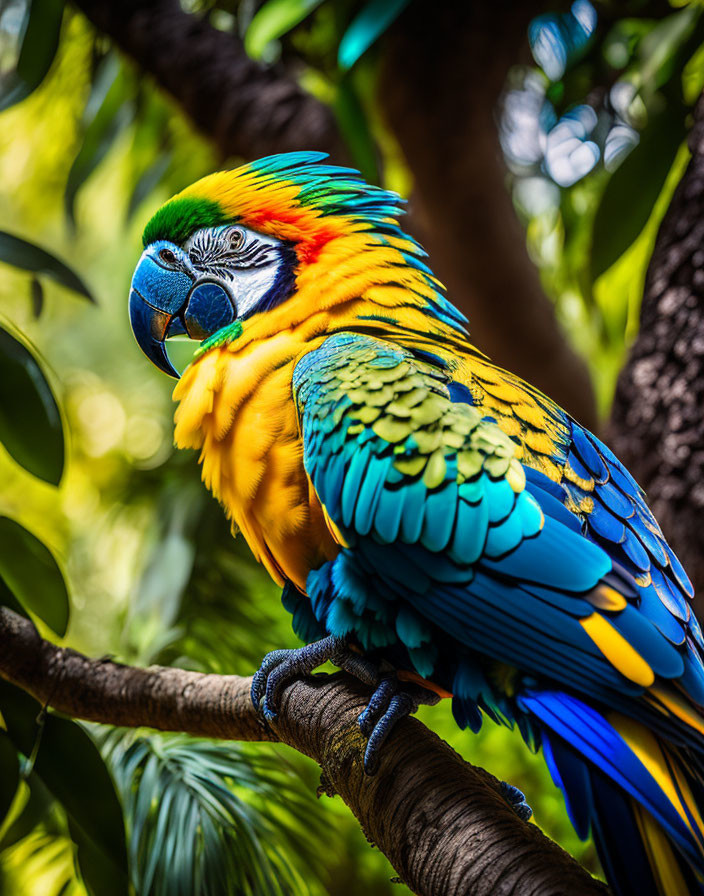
[(214, 819)]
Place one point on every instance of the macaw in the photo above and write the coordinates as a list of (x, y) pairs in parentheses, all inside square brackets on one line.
[(438, 526)]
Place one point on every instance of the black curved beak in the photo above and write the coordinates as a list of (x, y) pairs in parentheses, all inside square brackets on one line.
[(150, 327)]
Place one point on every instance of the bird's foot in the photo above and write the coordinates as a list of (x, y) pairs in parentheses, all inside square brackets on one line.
[(516, 800), (392, 700), (280, 667)]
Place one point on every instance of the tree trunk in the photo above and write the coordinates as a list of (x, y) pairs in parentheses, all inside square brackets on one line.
[(657, 422), (247, 109)]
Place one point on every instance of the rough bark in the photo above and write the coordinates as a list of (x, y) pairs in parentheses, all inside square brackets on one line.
[(439, 820), (443, 72), (445, 68), (657, 422), (247, 109)]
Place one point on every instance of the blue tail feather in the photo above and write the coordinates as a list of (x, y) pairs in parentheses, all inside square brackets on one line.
[(642, 814)]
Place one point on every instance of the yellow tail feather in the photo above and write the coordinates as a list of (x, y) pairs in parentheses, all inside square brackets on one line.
[(661, 857)]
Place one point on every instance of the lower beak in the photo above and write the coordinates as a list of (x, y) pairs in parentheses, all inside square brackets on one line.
[(150, 327)]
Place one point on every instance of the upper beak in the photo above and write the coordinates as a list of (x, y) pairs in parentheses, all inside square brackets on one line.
[(166, 301), (158, 294), (150, 326)]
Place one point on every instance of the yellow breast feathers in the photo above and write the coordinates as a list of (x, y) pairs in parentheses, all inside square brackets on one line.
[(237, 408)]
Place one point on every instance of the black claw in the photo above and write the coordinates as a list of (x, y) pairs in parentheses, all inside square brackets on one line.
[(371, 761), (378, 704), (516, 800), (392, 700), (269, 712)]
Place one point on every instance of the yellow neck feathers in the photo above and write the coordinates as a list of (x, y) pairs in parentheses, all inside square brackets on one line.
[(236, 405)]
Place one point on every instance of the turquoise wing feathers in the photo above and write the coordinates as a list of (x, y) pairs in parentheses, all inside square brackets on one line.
[(446, 533)]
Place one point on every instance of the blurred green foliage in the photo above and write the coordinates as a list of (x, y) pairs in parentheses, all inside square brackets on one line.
[(623, 91), (95, 502)]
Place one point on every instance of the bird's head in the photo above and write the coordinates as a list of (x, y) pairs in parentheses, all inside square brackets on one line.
[(234, 244)]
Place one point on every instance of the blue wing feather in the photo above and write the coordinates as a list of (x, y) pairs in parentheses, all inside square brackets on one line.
[(546, 582), (622, 523)]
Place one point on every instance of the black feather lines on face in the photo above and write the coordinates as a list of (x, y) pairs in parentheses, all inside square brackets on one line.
[(214, 254)]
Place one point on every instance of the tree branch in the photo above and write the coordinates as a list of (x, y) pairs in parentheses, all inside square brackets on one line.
[(439, 820), (247, 109), (657, 426)]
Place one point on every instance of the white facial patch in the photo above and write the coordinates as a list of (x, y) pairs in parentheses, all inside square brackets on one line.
[(249, 286), (247, 261)]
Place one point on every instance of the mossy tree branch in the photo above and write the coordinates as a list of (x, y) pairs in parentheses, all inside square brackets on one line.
[(439, 820)]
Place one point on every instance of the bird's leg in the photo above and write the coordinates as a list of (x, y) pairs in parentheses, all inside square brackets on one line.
[(280, 667), (394, 699), (391, 700)]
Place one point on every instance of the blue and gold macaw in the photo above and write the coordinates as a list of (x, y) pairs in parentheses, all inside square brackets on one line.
[(421, 506)]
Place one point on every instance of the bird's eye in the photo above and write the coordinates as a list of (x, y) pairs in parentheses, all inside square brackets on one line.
[(236, 240), (167, 255)]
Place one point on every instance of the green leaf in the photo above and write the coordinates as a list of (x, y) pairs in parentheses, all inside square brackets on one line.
[(101, 877), (108, 111), (659, 49), (632, 190), (24, 721), (30, 808), (366, 28), (273, 20), (30, 422), (8, 599), (69, 765), (32, 574), (630, 193), (20, 713), (355, 128), (21, 254), (39, 46), (9, 774), (200, 813)]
